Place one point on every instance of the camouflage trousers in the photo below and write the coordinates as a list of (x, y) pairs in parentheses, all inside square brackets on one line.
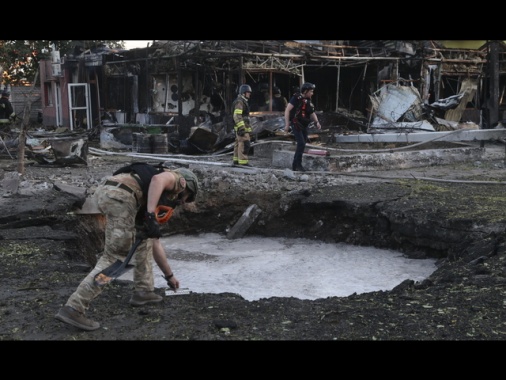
[(119, 207)]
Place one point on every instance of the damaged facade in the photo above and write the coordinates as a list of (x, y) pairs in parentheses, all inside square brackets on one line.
[(361, 86)]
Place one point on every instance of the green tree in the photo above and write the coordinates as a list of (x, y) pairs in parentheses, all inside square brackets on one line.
[(19, 59)]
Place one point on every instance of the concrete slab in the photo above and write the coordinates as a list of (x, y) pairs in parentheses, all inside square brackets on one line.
[(457, 135), (379, 161), (79, 192), (246, 220)]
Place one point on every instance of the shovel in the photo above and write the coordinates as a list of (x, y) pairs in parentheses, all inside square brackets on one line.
[(116, 269)]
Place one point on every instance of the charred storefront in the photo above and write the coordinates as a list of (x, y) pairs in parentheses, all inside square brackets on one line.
[(187, 83)]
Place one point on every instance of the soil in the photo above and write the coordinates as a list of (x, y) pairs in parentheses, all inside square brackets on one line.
[(455, 214)]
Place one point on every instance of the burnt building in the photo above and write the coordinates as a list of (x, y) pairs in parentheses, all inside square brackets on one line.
[(187, 82)]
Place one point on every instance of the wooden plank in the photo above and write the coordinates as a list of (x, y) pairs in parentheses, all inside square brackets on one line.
[(469, 86)]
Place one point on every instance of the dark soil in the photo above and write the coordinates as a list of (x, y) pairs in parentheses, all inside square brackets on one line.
[(46, 250)]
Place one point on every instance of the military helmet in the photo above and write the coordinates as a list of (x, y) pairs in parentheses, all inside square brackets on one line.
[(276, 90), (192, 183), (244, 88), (307, 86)]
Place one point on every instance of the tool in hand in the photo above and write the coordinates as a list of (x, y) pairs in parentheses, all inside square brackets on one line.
[(173, 291), (163, 213), (116, 269), (178, 292)]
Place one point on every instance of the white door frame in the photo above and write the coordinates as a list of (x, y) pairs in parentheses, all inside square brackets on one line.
[(76, 104)]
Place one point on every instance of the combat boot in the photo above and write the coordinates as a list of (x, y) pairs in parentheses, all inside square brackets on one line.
[(73, 317), (142, 298)]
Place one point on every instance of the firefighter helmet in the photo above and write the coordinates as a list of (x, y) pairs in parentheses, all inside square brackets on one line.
[(192, 183), (244, 88), (306, 87)]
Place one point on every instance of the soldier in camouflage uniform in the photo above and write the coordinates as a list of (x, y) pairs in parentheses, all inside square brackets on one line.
[(128, 199)]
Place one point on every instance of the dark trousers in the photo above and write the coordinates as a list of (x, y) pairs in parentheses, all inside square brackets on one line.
[(300, 134)]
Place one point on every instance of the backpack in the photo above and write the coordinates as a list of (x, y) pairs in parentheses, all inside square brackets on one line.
[(301, 114)]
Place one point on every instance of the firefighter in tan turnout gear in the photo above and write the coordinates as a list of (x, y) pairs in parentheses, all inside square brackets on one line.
[(242, 126)]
